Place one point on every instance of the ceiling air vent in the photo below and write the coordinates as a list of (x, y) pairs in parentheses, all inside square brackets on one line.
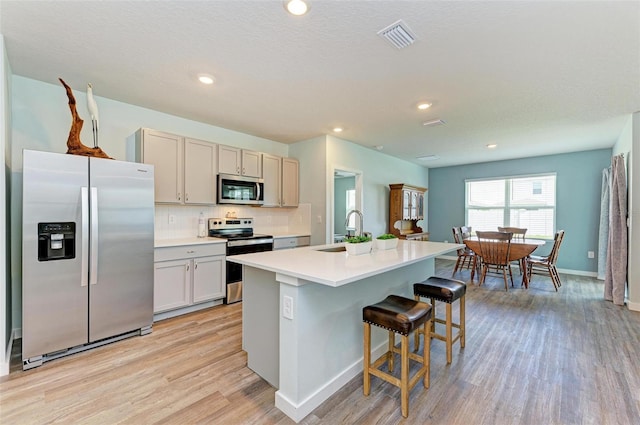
[(398, 34), (433, 123)]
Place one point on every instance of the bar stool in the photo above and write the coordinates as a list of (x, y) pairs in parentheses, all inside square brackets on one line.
[(445, 290), (402, 316)]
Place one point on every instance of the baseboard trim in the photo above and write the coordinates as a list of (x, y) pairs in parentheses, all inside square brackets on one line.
[(565, 271), (633, 306), (5, 367), (298, 411)]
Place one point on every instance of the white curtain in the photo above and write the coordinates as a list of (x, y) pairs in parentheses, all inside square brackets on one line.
[(616, 268), (603, 232)]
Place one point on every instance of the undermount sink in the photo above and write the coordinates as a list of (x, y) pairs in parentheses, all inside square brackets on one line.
[(333, 249)]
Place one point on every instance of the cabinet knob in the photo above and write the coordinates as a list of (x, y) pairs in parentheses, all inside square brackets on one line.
[(243, 170), (179, 196), (186, 196), (195, 265), (238, 170), (187, 266)]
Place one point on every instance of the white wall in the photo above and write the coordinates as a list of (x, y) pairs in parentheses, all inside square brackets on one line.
[(627, 143), (378, 171), (312, 156), (321, 155), (5, 320)]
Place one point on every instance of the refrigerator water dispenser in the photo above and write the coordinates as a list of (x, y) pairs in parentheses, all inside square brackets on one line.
[(56, 241)]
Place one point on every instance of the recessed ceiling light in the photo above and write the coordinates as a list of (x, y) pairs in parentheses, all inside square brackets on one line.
[(424, 105), (379, 147), (206, 78), (492, 145), (296, 7), (337, 129), (428, 158)]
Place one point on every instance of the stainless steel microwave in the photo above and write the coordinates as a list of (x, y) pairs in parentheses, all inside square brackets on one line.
[(241, 190)]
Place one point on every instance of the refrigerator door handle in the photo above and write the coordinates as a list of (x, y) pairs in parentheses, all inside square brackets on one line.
[(93, 275), (84, 270)]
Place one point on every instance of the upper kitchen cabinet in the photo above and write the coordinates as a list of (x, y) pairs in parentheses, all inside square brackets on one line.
[(280, 177), (290, 182), (241, 162), (185, 169), (199, 172)]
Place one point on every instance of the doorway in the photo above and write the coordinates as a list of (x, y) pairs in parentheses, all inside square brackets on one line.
[(345, 196)]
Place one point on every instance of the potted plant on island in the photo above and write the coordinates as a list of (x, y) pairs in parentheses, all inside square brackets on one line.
[(357, 245), (387, 241)]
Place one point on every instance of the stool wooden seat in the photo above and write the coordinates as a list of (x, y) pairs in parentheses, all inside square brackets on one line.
[(402, 316), (447, 291)]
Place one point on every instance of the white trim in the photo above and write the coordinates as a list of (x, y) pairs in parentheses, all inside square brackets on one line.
[(300, 411), (565, 271), (5, 367), (633, 306)]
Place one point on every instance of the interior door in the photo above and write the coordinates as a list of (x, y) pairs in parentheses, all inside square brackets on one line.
[(121, 256)]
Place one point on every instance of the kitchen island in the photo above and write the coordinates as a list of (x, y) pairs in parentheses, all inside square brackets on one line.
[(302, 313)]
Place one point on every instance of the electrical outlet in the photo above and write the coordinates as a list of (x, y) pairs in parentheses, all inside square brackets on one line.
[(287, 307), (591, 254), (319, 219), (172, 219), (446, 241)]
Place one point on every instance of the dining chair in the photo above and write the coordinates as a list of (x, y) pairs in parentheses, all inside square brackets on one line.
[(518, 234), (466, 257), (494, 250), (546, 265)]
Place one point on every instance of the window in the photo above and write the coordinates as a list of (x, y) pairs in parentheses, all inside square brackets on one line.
[(527, 201), (351, 205)]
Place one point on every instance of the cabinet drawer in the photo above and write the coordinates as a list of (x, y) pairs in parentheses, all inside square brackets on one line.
[(284, 243), (189, 251)]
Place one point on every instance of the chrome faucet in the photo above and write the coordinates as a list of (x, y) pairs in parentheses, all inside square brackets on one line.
[(346, 223)]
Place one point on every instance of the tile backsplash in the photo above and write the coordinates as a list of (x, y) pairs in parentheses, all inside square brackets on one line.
[(178, 221)]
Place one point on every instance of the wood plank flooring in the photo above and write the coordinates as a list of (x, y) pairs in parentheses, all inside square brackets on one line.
[(532, 357)]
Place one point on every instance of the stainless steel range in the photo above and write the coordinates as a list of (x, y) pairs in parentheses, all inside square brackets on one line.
[(240, 240)]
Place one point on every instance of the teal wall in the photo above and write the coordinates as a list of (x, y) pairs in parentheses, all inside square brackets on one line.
[(578, 187)]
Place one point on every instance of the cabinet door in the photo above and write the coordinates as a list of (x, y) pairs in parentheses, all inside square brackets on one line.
[(171, 283), (271, 174), (164, 152), (208, 278), (413, 209), (406, 205), (199, 172), (420, 207), (251, 163), (290, 182), (229, 160)]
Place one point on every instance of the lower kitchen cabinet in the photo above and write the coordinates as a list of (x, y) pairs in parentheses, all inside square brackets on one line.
[(188, 275)]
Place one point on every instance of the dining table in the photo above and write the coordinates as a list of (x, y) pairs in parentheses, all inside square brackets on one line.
[(519, 251)]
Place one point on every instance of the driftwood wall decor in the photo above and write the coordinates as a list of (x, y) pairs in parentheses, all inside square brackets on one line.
[(74, 145)]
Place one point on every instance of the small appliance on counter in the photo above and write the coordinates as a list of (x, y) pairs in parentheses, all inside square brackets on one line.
[(240, 240)]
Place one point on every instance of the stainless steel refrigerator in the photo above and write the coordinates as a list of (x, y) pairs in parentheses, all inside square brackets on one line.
[(87, 253)]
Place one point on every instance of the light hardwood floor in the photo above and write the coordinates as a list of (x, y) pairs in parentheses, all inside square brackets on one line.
[(532, 357)]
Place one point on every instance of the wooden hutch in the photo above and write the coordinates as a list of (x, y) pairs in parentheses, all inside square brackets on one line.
[(406, 208)]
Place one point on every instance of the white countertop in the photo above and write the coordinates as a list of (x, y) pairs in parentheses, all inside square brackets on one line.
[(163, 243), (339, 268)]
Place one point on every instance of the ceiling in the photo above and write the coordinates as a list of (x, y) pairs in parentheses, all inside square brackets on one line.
[(533, 77)]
